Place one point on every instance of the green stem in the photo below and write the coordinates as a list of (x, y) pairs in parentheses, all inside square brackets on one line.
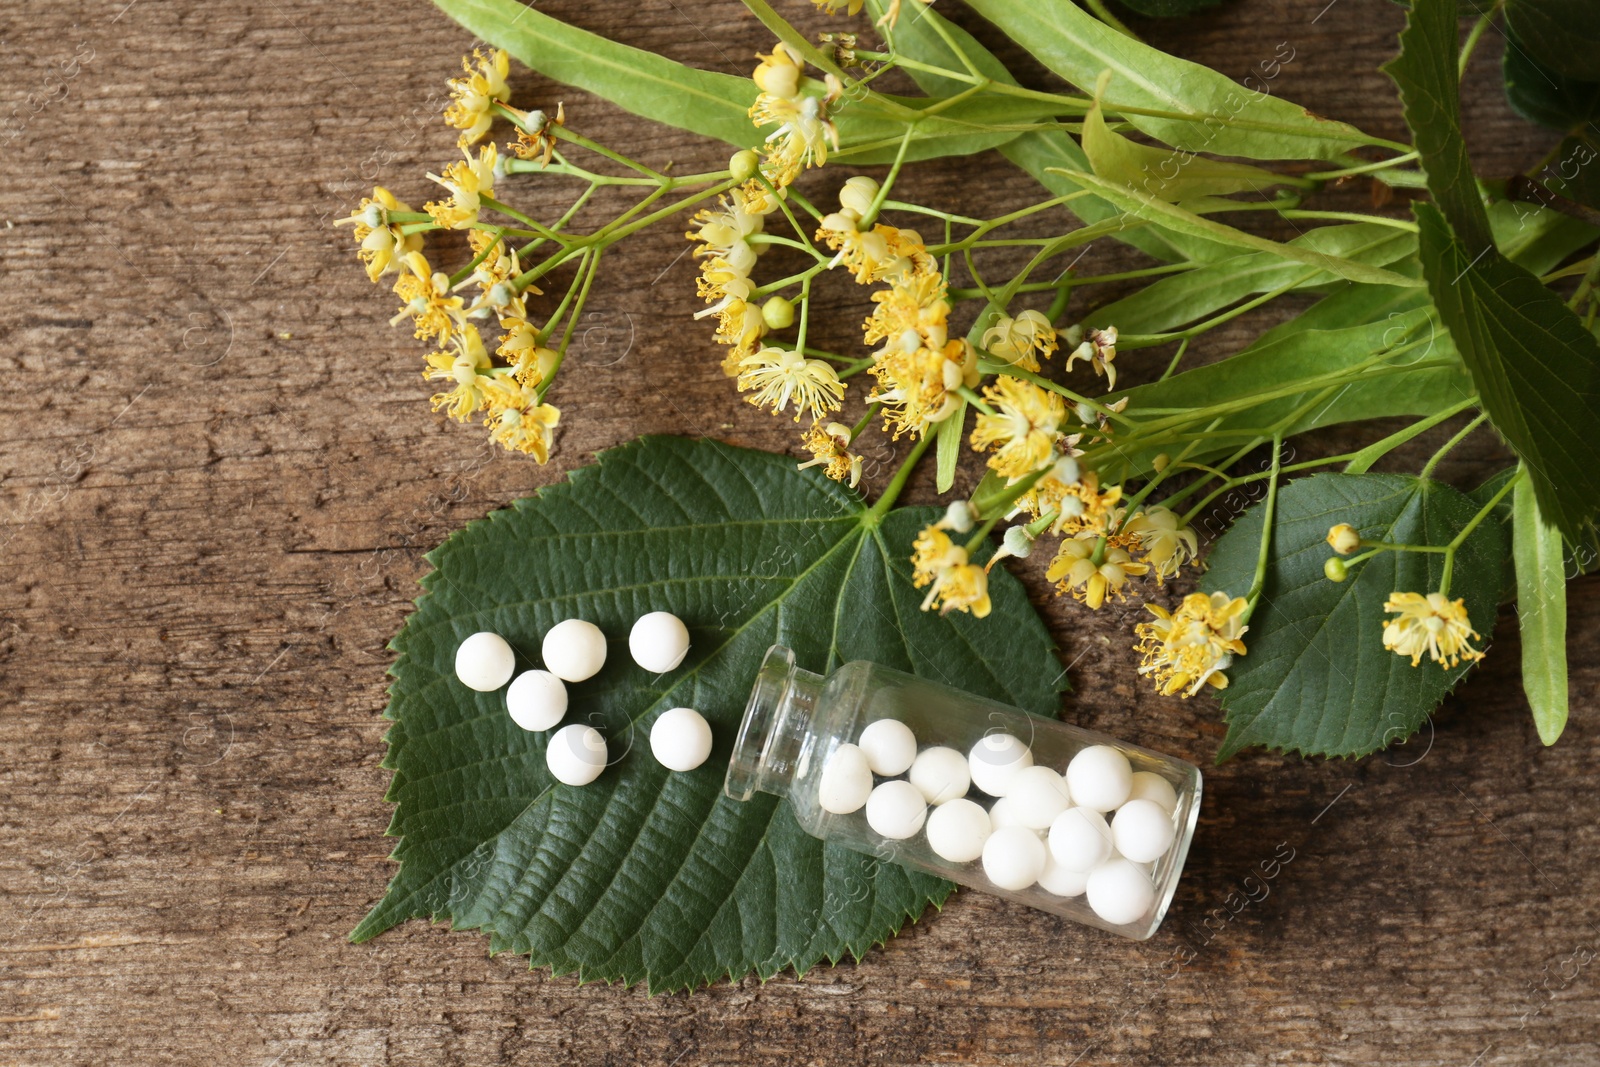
[(1466, 531), (888, 181), (874, 515), (1105, 15), (1461, 435), (1351, 216), (566, 336)]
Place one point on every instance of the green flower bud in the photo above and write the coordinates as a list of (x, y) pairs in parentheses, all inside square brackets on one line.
[(743, 165), (778, 313), (1335, 570)]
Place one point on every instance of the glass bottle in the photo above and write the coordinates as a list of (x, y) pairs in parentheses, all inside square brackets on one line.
[(797, 721)]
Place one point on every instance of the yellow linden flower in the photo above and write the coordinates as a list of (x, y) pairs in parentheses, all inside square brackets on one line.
[(1022, 341), (779, 73), (1074, 570), (914, 303), (1081, 507), (882, 252), (426, 297), (467, 364), (778, 376), (469, 181), (1024, 426), (382, 243), (833, 7), (955, 584), (1099, 348), (891, 16), (722, 234), (473, 97), (916, 383), (1191, 647), (1431, 624), (829, 446), (522, 347), (1165, 542), (517, 420), (804, 131), (536, 138)]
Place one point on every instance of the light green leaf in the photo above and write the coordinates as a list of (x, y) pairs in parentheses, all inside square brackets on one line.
[(1180, 299), (1535, 366), (1161, 172), (949, 448), (1174, 217), (1217, 115), (648, 876), (1541, 612), (1317, 679)]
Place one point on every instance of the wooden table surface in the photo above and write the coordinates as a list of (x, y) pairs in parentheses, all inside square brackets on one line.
[(218, 477)]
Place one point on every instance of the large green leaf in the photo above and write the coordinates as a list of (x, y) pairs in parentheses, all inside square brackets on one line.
[(1317, 679), (1215, 113), (1541, 612), (1535, 366), (717, 105), (646, 875), (1544, 95), (1562, 34)]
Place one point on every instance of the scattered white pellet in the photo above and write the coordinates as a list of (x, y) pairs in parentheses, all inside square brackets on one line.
[(1038, 794), (577, 754), (680, 739), (896, 809), (890, 746), (957, 830), (1148, 785), (658, 642), (995, 760), (574, 650), (1080, 839), (1013, 857), (1120, 891), (941, 773), (846, 781), (1061, 881), (1099, 778), (1142, 830), (536, 700), (485, 662)]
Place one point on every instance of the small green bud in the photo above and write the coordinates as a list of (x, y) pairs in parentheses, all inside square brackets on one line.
[(1335, 569), (778, 313), (743, 165)]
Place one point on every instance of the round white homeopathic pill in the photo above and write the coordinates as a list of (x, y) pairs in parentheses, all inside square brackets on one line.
[(1038, 795), (1148, 785), (574, 650), (536, 700), (846, 781), (1060, 881), (659, 641), (1142, 830), (890, 746), (1099, 778), (485, 662), (1080, 839), (1003, 813), (896, 809), (1013, 857), (1119, 891), (957, 830), (941, 773), (995, 760), (680, 739), (577, 754)]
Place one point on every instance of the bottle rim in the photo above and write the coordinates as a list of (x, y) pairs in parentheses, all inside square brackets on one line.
[(761, 713)]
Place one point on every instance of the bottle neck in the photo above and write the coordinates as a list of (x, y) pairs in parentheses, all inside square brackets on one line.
[(776, 721)]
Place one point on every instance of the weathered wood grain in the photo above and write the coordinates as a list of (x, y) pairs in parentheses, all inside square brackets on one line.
[(218, 475)]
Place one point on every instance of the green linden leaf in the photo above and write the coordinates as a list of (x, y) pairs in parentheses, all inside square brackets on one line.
[(1543, 95), (647, 875), (1317, 679), (1563, 35)]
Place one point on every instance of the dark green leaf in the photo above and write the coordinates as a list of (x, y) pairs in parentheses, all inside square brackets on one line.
[(1317, 679), (1541, 612), (1562, 34), (1216, 114), (645, 875), (1535, 366), (1543, 95), (1425, 72), (1572, 174)]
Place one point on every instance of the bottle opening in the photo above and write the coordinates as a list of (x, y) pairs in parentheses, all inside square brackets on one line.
[(774, 723)]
